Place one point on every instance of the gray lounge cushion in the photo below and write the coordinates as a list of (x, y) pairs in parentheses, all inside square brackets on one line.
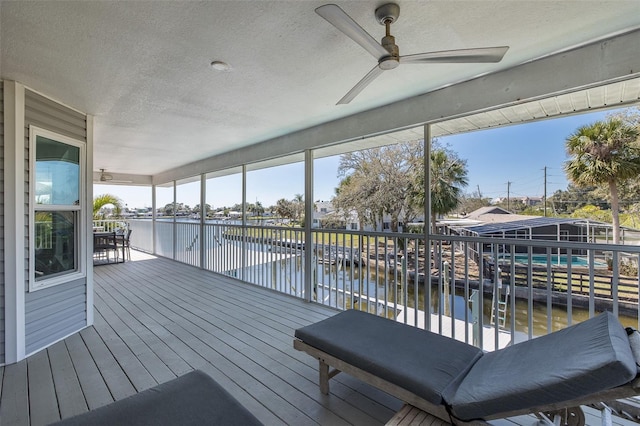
[(192, 399), (572, 363), (419, 361)]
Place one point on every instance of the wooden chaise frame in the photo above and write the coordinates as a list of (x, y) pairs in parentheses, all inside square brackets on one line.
[(326, 361)]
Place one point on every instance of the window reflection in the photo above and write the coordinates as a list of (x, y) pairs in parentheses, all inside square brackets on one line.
[(55, 236), (57, 173)]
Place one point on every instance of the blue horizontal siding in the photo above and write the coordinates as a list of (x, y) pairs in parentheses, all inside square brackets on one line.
[(53, 313), (58, 311)]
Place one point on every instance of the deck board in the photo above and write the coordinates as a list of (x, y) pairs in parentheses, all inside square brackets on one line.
[(14, 406), (111, 370), (156, 353), (156, 319), (94, 388), (68, 390), (41, 389), (134, 370), (259, 347), (219, 346)]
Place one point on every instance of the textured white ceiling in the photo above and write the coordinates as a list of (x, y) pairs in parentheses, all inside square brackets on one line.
[(142, 68)]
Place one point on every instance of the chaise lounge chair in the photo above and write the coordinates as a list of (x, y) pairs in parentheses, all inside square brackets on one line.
[(583, 364), (194, 399)]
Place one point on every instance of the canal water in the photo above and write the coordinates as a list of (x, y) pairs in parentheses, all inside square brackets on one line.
[(338, 286)]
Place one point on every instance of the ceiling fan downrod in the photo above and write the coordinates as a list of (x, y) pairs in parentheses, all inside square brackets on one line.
[(386, 15)]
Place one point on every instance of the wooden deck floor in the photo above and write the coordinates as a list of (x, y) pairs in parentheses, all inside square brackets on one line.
[(156, 319)]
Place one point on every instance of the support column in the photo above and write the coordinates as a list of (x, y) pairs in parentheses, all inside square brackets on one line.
[(244, 235), (153, 219), (427, 224), (308, 221), (88, 244), (175, 220), (203, 217), (14, 222)]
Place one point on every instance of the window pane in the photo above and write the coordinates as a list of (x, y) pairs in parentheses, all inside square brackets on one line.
[(54, 243), (57, 172)]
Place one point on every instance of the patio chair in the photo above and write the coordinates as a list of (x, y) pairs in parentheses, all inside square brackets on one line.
[(191, 400), (583, 364), (103, 244), (125, 237)]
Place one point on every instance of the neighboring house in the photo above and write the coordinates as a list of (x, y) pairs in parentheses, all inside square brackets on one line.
[(321, 211), (326, 212), (527, 201), (531, 201)]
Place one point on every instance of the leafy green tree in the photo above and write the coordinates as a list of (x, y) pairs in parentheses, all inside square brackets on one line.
[(471, 202), (207, 209), (284, 209), (605, 153), (103, 200), (629, 116), (378, 182), (352, 194), (567, 201), (593, 213)]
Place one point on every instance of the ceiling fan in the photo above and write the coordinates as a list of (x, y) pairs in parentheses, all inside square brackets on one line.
[(387, 53), (106, 177)]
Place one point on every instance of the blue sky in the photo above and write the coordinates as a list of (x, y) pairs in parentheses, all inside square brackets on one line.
[(516, 154), (519, 154)]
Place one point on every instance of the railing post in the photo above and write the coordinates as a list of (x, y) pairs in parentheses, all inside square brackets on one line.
[(476, 312)]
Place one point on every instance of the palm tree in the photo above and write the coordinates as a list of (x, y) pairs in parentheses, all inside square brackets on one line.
[(103, 200), (448, 177), (604, 153), (259, 209)]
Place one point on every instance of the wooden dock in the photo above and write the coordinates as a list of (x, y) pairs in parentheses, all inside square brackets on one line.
[(441, 324)]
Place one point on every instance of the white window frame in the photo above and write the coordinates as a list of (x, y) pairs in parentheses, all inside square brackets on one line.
[(80, 209)]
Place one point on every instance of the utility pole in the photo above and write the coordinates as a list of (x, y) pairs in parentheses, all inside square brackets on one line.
[(508, 197), (545, 191)]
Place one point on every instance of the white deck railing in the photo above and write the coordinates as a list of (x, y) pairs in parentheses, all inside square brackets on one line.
[(109, 225), (485, 291)]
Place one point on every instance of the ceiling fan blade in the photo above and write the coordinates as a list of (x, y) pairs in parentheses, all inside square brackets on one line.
[(482, 54), (371, 75), (339, 19)]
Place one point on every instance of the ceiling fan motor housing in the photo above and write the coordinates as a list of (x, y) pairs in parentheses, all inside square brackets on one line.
[(387, 13)]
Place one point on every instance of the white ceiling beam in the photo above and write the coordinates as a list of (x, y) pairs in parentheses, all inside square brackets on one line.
[(614, 59)]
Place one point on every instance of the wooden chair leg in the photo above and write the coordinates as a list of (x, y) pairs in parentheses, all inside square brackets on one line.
[(324, 378)]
